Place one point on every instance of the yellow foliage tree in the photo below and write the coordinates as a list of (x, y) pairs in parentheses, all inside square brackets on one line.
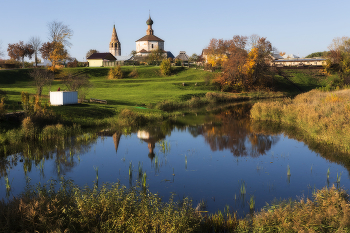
[(57, 54)]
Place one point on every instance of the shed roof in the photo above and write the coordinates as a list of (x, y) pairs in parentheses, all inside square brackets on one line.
[(150, 38), (104, 56)]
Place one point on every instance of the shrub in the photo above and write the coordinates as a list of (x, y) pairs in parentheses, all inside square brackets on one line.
[(165, 67), (28, 127), (134, 73), (2, 107), (115, 73)]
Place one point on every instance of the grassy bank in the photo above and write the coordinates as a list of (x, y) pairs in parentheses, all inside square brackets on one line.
[(325, 116), (113, 208), (146, 93)]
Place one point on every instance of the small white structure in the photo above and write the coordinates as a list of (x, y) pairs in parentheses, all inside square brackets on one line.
[(63, 97)]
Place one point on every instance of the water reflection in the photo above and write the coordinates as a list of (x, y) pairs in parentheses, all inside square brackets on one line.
[(256, 170), (151, 137), (231, 129)]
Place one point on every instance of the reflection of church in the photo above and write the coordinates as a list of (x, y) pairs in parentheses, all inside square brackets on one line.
[(150, 137)]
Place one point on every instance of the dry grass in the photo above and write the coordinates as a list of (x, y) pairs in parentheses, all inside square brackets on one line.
[(113, 208), (324, 115)]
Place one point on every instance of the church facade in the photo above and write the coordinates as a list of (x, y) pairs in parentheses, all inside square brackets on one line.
[(150, 42)]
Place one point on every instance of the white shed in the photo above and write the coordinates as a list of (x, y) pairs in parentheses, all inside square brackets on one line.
[(63, 97)]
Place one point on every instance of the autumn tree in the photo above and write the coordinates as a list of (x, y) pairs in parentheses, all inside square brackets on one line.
[(55, 49), (282, 54), (36, 44), (247, 65), (90, 52), (80, 83), (20, 50), (54, 52), (42, 77), (217, 51), (338, 57)]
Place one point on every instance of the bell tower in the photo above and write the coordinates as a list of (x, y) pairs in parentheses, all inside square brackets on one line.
[(114, 45)]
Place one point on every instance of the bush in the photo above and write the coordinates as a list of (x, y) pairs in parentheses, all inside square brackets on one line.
[(115, 73), (134, 73), (2, 107), (165, 67)]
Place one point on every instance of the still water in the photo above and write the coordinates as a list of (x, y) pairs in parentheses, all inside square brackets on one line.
[(208, 157)]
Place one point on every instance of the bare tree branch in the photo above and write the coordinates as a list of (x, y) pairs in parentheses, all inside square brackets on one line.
[(58, 32), (36, 43)]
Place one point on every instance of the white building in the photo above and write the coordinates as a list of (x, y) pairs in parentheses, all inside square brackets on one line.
[(149, 42)]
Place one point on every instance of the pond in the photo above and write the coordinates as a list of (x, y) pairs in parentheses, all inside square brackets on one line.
[(219, 158)]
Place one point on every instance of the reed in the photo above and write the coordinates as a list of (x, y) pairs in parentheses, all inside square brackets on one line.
[(140, 169), (252, 203), (288, 170), (328, 172), (243, 190), (144, 179), (130, 169), (338, 177)]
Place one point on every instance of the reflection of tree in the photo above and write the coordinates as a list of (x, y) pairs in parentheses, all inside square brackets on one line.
[(232, 131), (62, 151), (327, 151)]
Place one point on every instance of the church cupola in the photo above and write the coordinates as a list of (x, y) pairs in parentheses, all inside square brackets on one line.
[(149, 22), (114, 45)]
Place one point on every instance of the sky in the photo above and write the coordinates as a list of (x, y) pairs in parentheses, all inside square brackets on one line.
[(297, 27)]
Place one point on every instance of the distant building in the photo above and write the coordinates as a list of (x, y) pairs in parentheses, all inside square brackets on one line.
[(299, 62), (97, 59), (182, 56), (150, 42), (290, 56), (114, 45)]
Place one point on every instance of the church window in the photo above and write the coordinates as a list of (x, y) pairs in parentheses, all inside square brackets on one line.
[(152, 46), (112, 45)]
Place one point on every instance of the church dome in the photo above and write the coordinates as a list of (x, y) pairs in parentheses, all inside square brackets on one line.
[(149, 21)]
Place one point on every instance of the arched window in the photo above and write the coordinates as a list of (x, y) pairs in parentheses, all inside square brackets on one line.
[(112, 45)]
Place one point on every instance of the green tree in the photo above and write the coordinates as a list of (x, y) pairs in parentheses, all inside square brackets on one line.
[(317, 54), (156, 56), (165, 67)]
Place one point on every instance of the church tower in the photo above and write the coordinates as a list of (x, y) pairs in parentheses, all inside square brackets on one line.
[(149, 30), (114, 45)]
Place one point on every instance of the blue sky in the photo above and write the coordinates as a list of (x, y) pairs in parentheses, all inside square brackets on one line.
[(298, 27)]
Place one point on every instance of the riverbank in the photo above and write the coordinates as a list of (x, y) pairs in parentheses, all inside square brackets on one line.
[(112, 207), (325, 116)]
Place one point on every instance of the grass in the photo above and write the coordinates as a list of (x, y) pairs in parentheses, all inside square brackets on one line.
[(148, 92), (114, 208), (323, 115)]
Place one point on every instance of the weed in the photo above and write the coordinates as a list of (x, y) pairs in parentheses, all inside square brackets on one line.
[(252, 202), (288, 170)]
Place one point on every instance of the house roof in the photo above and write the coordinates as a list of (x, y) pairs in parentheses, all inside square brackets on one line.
[(183, 56), (104, 56), (145, 51), (124, 58), (150, 38)]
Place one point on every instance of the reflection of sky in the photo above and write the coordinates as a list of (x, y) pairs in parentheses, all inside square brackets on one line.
[(213, 176)]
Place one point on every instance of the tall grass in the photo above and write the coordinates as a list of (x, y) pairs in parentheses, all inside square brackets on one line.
[(114, 208), (323, 115)]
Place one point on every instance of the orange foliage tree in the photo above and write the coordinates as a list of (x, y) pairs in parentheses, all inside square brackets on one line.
[(245, 68)]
